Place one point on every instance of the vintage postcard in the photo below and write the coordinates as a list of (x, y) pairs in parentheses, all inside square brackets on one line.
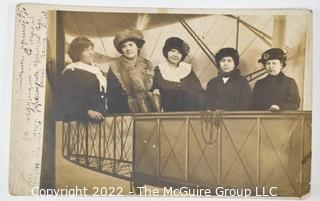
[(161, 102)]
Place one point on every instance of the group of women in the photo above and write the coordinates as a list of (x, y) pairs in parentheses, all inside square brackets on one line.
[(133, 84)]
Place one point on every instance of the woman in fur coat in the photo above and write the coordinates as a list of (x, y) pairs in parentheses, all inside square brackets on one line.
[(179, 87), (229, 90), (130, 76)]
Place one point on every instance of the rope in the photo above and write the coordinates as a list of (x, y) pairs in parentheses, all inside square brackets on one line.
[(210, 121)]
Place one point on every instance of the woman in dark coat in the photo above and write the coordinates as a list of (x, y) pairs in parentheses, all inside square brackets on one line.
[(229, 90), (83, 84), (178, 85), (130, 76), (276, 91)]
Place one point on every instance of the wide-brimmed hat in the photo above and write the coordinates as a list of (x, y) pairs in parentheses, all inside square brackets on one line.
[(134, 35), (178, 44), (227, 52), (273, 53)]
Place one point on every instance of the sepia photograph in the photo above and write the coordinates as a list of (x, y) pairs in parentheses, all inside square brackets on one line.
[(166, 102)]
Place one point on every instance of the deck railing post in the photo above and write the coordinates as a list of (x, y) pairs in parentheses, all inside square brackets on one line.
[(68, 140), (63, 140), (158, 150), (99, 151), (133, 147), (77, 141), (186, 177), (121, 141), (114, 144), (258, 152), (301, 157), (87, 143), (104, 139), (219, 154)]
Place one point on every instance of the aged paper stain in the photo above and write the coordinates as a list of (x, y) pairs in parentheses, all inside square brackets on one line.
[(28, 98)]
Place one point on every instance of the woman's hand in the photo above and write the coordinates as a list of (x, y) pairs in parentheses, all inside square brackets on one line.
[(95, 115), (274, 108), (156, 91)]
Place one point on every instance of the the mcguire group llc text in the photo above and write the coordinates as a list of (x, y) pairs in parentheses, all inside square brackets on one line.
[(152, 191), (219, 191)]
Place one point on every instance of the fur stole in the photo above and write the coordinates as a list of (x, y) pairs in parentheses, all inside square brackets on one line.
[(136, 80)]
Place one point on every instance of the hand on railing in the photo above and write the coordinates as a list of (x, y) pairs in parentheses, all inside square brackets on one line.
[(94, 115), (156, 100), (156, 91), (274, 108)]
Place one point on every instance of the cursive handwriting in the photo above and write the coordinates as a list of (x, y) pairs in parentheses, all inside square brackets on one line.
[(31, 73), (29, 94)]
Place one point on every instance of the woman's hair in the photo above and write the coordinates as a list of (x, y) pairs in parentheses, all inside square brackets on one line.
[(77, 46), (178, 44)]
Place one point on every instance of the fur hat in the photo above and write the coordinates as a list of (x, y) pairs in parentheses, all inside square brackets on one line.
[(227, 52), (134, 35), (273, 53), (176, 43)]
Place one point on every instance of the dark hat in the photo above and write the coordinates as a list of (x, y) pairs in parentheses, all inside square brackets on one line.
[(176, 43), (227, 52), (134, 35), (273, 53)]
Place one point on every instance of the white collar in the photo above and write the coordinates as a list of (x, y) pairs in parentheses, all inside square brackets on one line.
[(93, 68), (225, 79), (174, 74)]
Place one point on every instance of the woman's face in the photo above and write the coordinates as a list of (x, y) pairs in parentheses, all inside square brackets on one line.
[(87, 54), (227, 64), (129, 50), (273, 66), (174, 56)]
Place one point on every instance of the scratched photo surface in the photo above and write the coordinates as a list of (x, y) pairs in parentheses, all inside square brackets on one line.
[(121, 126)]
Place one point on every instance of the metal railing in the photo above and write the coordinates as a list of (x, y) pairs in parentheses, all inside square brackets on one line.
[(233, 149), (105, 147)]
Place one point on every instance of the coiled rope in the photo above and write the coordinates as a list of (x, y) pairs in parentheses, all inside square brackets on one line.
[(210, 122)]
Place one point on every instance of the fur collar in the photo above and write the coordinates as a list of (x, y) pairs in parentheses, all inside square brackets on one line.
[(134, 77), (175, 74)]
